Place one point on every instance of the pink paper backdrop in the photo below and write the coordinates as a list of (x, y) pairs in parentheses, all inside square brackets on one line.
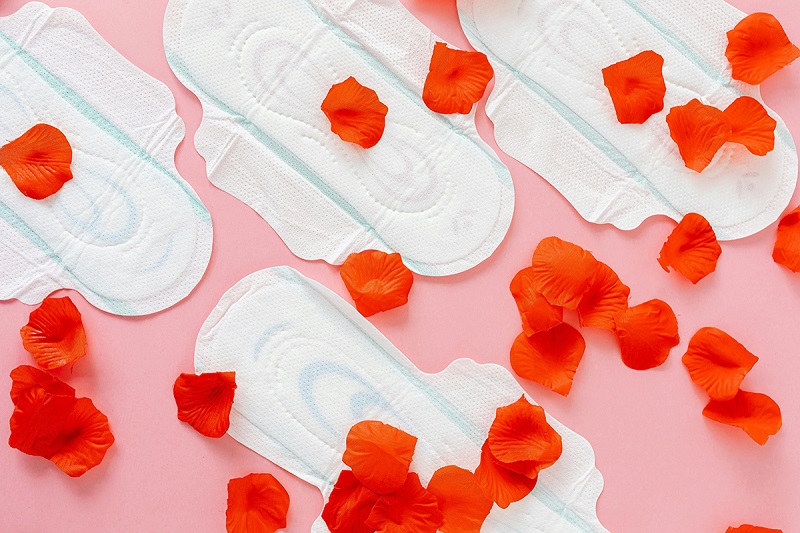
[(667, 469)]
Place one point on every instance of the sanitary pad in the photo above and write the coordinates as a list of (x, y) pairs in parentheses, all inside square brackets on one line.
[(127, 232), (308, 367), (552, 112), (430, 189)]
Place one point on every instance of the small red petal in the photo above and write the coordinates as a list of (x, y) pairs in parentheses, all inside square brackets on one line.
[(747, 528), (379, 455), (699, 131), (717, 362), (410, 509), (38, 162), (257, 503), (646, 333), (205, 401), (356, 114), (349, 505), (54, 334), (758, 47), (751, 125), (691, 249), (24, 378), (562, 272), (550, 357), (787, 246), (536, 312), (460, 499), (376, 281), (637, 87), (757, 414), (522, 440), (456, 81), (606, 297), (498, 483)]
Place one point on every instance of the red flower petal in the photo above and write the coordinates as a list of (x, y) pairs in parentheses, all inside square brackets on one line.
[(607, 296), (376, 281), (257, 503), (787, 247), (747, 528), (699, 131), (522, 440), (646, 333), (562, 272), (460, 500), (379, 455), (691, 249), (38, 162), (717, 362), (68, 431), (751, 125), (356, 114), (349, 505), (24, 378), (758, 48), (498, 483), (54, 334), (637, 87), (757, 414), (456, 81), (410, 509), (205, 401), (536, 312), (549, 358)]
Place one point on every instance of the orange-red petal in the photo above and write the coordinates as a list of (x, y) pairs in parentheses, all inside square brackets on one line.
[(498, 483), (461, 501), (24, 378), (456, 81), (717, 362), (536, 312), (747, 528), (699, 130), (758, 47), (522, 440), (410, 509), (349, 505), (636, 86), (607, 296), (205, 401), (376, 281), (646, 332), (691, 249), (68, 431), (257, 503), (550, 358), (38, 162), (356, 114), (54, 334), (379, 455), (562, 271), (751, 125), (757, 414), (787, 246)]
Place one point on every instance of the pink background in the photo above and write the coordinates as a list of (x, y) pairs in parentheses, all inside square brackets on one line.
[(667, 469)]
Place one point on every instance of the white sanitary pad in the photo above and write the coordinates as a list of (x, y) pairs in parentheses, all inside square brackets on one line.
[(308, 367), (553, 113), (126, 232), (430, 189)]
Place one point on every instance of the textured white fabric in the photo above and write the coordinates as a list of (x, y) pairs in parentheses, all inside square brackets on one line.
[(126, 232), (308, 367), (430, 189), (552, 112)]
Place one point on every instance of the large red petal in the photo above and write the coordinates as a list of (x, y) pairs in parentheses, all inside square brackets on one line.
[(636, 86), (257, 503), (24, 378), (550, 358), (751, 125), (717, 362), (699, 131), (758, 47), (38, 162), (456, 81), (376, 281), (498, 483), (461, 501), (205, 401), (54, 334), (646, 332), (757, 414), (379, 455), (562, 272), (356, 114), (747, 528), (692, 248)]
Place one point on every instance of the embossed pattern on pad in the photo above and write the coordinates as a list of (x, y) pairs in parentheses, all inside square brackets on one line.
[(308, 367), (430, 189), (552, 112), (127, 231)]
